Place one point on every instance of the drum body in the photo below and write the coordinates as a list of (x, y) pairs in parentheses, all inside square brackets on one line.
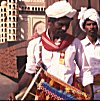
[(48, 87), (51, 88), (96, 87)]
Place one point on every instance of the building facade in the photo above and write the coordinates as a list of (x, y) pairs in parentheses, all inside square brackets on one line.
[(8, 20), (19, 19)]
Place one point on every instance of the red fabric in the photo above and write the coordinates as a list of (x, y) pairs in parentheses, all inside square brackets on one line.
[(50, 46), (77, 84)]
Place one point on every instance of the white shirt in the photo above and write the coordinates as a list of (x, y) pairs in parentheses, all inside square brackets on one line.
[(92, 57), (73, 55)]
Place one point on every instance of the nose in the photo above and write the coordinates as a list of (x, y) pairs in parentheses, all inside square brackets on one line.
[(91, 26)]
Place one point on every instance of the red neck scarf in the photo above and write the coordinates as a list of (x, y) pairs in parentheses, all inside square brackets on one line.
[(50, 46)]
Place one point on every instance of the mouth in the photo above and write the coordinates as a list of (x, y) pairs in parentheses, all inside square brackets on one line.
[(91, 31), (58, 42)]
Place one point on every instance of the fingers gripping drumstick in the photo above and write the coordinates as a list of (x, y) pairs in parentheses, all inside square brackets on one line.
[(31, 84)]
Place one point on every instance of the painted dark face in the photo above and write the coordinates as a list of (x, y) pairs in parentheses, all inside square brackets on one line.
[(58, 37), (91, 28), (58, 25), (62, 24)]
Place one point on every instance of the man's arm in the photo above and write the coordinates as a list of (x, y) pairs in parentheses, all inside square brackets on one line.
[(24, 82)]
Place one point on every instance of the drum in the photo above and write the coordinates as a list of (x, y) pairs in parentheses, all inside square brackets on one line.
[(97, 79), (97, 83), (48, 87)]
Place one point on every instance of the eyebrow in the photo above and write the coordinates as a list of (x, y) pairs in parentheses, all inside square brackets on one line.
[(94, 23)]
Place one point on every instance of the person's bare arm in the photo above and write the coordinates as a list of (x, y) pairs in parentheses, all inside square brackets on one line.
[(24, 82)]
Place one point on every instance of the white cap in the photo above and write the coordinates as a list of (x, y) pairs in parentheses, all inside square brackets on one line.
[(91, 13), (60, 9)]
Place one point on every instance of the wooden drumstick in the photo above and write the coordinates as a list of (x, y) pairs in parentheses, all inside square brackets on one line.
[(31, 84)]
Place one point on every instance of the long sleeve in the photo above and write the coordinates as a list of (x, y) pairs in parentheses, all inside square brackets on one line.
[(31, 60)]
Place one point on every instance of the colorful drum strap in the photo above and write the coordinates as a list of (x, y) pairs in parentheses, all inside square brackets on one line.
[(54, 93)]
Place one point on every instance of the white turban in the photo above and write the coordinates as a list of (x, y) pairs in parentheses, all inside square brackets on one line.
[(91, 13), (60, 9)]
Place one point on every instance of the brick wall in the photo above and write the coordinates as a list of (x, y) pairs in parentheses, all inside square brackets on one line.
[(9, 59)]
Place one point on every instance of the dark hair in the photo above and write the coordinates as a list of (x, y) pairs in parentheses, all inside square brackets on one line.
[(85, 22), (50, 19)]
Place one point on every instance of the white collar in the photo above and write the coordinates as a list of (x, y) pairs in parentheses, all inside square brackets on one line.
[(86, 41)]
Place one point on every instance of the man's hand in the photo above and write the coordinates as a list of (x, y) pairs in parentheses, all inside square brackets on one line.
[(89, 90), (11, 97)]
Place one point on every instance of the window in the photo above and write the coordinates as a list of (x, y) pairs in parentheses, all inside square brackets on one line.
[(13, 24), (14, 31), (28, 8), (5, 40), (5, 19), (9, 18), (10, 25), (22, 8), (5, 35), (13, 18), (1, 20), (5, 25), (9, 6), (14, 6), (1, 10), (4, 14), (38, 9), (41, 9), (13, 37), (25, 8), (10, 31), (13, 12), (1, 15), (9, 12), (35, 8), (4, 9), (1, 25), (9, 37), (5, 29)]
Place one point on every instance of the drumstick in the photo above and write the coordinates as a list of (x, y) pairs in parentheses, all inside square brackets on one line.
[(31, 84), (18, 96)]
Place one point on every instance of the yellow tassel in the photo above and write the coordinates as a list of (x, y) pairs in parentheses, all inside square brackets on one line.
[(51, 82), (47, 97)]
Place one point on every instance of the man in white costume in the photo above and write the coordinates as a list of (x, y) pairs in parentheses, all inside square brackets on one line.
[(60, 52), (90, 24)]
